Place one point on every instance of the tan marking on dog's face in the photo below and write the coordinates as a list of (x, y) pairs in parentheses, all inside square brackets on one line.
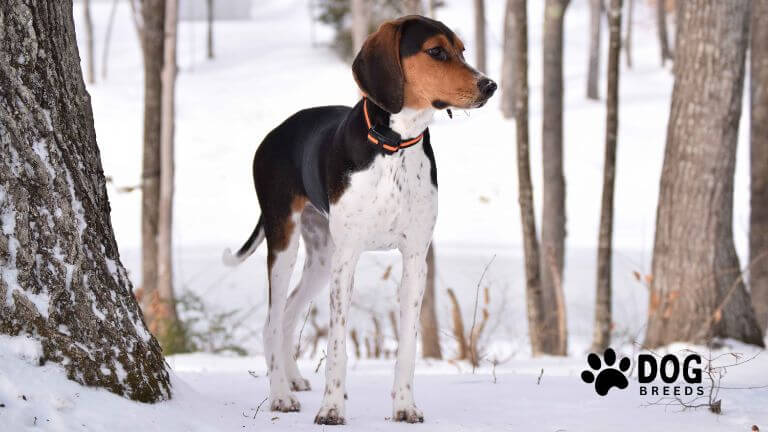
[(450, 81)]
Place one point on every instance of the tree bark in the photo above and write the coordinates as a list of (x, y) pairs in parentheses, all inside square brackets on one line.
[(697, 291), (153, 14), (480, 45), (359, 24), (508, 63), (758, 218), (209, 18), (603, 316), (595, 25), (62, 280), (430, 336), (534, 301), (661, 25), (553, 209), (89, 60)]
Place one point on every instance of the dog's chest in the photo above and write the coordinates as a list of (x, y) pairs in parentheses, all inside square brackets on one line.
[(389, 204)]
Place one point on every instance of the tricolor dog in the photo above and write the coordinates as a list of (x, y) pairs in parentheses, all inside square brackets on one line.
[(350, 180)]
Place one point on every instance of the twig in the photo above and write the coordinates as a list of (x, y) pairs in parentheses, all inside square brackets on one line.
[(306, 317), (259, 407), (541, 374), (477, 297)]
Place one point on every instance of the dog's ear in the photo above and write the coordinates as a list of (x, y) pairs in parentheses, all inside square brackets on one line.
[(377, 69)]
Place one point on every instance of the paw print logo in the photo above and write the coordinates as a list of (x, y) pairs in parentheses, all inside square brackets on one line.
[(610, 376)]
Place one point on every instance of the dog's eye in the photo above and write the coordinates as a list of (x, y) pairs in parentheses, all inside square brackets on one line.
[(438, 53)]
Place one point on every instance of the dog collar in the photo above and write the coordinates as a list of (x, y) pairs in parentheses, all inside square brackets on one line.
[(385, 137)]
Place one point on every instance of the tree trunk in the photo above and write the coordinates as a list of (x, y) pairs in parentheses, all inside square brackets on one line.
[(508, 63), (595, 25), (758, 218), (628, 37), (534, 301), (603, 315), (480, 62), (153, 13), (166, 318), (697, 292), (430, 336), (661, 24), (209, 16), (62, 280), (107, 39), (553, 209), (89, 60), (359, 24)]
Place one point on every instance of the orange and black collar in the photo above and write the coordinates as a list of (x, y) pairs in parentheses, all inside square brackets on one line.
[(385, 137)]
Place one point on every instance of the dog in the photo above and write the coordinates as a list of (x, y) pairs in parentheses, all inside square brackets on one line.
[(349, 180)]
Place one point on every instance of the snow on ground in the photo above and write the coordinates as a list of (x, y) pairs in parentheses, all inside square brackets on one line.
[(269, 67)]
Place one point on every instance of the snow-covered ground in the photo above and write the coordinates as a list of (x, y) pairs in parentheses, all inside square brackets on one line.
[(267, 68)]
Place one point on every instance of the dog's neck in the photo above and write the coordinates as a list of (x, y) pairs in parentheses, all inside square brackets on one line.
[(411, 122)]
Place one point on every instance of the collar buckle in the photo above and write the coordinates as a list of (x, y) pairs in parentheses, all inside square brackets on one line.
[(385, 137)]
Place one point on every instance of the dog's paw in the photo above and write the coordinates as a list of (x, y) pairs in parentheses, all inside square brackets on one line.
[(409, 414), (300, 384), (285, 403), (330, 416)]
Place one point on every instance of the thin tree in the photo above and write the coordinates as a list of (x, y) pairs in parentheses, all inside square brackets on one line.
[(359, 13), (595, 26), (534, 300), (661, 25), (697, 290), (209, 20), (89, 60), (480, 44), (628, 36), (108, 39), (508, 63), (603, 316), (62, 282), (553, 209), (758, 218)]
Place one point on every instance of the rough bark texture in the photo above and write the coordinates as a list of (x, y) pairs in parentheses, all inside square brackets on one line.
[(209, 19), (153, 15), (603, 316), (480, 45), (89, 60), (508, 63), (62, 280), (758, 218), (595, 26), (697, 292), (553, 209), (534, 301), (661, 25), (430, 336)]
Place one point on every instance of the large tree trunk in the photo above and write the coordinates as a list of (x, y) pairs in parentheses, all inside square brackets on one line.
[(153, 15), (62, 280), (430, 335), (595, 25), (661, 25), (89, 60), (758, 218), (697, 292), (534, 300), (553, 210), (480, 58), (603, 316), (508, 84)]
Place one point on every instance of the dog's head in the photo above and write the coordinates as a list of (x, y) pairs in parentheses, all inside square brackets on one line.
[(417, 62)]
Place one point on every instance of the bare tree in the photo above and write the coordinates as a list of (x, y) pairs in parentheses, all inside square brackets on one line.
[(628, 36), (553, 209), (430, 335), (89, 60), (359, 13), (758, 218), (603, 315), (209, 19), (595, 25), (62, 282), (508, 63), (697, 291), (661, 24), (480, 43)]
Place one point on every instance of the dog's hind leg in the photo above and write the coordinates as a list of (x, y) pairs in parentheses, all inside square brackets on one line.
[(283, 242), (314, 277)]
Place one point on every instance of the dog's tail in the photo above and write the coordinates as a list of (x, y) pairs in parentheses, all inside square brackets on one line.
[(257, 236)]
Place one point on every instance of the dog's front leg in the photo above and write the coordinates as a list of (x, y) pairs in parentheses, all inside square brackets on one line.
[(411, 291), (342, 279)]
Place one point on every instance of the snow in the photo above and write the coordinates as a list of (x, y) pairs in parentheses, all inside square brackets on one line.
[(266, 69)]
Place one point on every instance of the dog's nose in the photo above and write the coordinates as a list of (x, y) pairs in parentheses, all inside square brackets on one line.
[(487, 87)]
